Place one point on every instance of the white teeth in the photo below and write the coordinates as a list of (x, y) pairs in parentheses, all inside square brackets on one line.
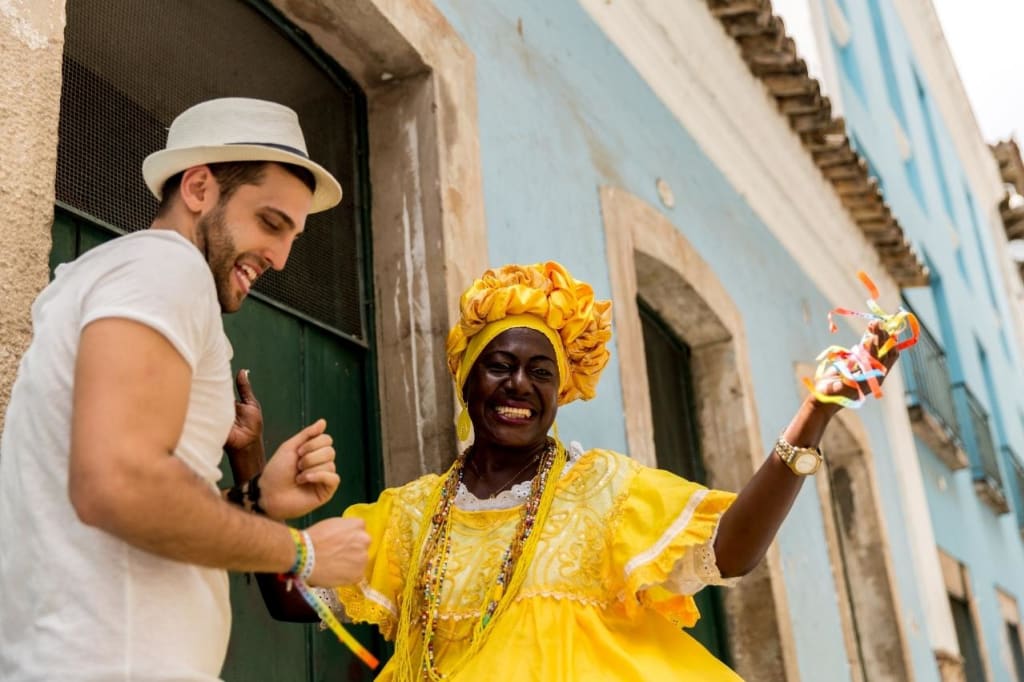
[(513, 412), (249, 273)]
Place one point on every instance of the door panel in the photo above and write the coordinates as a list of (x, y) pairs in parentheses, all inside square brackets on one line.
[(677, 444)]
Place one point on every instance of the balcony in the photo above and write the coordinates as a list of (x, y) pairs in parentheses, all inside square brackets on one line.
[(1011, 208), (930, 401), (981, 450), (1015, 469)]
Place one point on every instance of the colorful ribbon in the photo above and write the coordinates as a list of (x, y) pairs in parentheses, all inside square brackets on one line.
[(855, 365), (332, 622)]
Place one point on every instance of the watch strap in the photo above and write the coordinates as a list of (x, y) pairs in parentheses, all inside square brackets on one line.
[(790, 453)]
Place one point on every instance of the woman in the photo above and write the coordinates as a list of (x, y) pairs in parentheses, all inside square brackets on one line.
[(530, 560)]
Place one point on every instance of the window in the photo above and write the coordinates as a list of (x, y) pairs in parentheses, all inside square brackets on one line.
[(959, 592), (676, 440), (1016, 649), (967, 638), (931, 131), (1015, 645), (983, 260), (848, 53), (988, 479), (896, 100), (885, 57)]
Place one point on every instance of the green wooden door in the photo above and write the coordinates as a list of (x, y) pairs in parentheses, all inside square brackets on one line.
[(300, 371), (677, 443)]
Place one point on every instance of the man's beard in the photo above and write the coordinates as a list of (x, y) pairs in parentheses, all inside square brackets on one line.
[(219, 249)]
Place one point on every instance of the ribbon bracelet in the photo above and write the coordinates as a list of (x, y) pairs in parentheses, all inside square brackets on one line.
[(854, 365), (332, 622)]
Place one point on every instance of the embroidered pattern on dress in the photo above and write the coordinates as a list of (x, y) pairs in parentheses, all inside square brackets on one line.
[(574, 560)]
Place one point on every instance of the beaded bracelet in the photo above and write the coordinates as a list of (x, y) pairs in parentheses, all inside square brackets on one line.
[(310, 558), (300, 550)]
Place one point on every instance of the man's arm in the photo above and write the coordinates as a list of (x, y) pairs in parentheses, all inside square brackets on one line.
[(130, 400)]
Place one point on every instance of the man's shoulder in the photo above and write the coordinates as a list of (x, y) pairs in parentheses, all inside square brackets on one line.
[(149, 258), (165, 245)]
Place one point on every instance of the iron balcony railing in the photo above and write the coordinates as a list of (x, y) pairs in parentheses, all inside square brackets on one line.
[(981, 449), (1015, 469), (928, 383)]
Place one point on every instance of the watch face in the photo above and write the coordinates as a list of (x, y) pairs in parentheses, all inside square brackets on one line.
[(805, 463)]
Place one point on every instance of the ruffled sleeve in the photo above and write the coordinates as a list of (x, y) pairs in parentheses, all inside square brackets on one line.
[(375, 599), (663, 543)]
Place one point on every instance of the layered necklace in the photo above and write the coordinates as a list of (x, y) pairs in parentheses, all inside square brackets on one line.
[(422, 595)]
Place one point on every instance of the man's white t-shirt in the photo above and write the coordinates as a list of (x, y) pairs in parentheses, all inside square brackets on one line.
[(78, 604)]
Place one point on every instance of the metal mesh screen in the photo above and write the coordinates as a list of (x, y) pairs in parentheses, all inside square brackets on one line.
[(131, 67)]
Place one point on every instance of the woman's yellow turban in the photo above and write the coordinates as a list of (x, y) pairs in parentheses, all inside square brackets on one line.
[(544, 297)]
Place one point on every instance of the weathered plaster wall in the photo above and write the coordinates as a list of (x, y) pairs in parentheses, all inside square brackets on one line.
[(564, 112), (31, 42)]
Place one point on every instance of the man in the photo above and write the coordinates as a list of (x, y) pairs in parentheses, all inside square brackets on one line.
[(113, 538)]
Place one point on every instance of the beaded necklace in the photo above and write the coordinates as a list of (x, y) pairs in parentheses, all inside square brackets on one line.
[(432, 559)]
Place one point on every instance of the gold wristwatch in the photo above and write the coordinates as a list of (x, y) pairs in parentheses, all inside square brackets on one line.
[(802, 461)]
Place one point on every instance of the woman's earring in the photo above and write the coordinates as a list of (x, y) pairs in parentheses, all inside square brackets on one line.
[(463, 425)]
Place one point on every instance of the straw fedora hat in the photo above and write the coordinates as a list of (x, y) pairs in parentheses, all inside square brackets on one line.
[(237, 129)]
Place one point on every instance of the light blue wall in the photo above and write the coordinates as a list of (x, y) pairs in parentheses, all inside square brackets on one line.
[(989, 545), (562, 113)]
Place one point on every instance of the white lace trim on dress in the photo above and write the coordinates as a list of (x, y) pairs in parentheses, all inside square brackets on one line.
[(697, 569), (514, 496)]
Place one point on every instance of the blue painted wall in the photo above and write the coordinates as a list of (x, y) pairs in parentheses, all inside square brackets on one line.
[(931, 196), (562, 113)]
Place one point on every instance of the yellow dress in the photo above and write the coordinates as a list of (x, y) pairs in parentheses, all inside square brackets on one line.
[(604, 599)]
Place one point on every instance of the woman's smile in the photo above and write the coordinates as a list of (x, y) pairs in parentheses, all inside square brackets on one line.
[(513, 415)]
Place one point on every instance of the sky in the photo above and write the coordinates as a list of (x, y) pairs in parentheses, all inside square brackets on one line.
[(986, 38)]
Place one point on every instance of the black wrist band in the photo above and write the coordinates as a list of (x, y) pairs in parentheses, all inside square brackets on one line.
[(253, 494), (236, 495)]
